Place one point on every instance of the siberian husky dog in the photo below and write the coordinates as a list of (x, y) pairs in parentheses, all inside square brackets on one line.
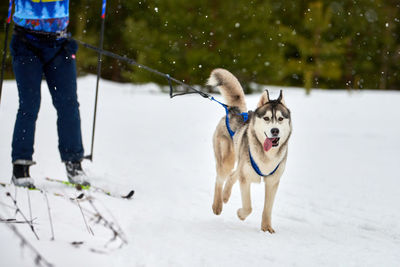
[(248, 149)]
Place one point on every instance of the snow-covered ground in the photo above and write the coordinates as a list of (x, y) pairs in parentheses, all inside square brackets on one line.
[(337, 204)]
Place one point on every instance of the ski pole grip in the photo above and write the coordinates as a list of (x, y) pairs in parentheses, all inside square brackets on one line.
[(103, 10), (9, 11)]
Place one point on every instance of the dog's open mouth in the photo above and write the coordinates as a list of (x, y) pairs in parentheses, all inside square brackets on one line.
[(274, 141), (270, 142)]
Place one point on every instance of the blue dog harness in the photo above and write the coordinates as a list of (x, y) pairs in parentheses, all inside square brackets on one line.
[(257, 169), (245, 117)]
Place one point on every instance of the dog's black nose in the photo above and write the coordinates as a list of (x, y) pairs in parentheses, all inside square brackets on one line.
[(274, 131)]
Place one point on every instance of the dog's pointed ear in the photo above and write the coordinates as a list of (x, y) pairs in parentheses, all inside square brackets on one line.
[(264, 99), (280, 98)]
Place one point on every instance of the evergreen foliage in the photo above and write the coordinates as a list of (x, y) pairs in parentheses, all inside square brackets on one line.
[(319, 43)]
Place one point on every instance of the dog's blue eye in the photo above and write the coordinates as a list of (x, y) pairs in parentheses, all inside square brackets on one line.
[(266, 118)]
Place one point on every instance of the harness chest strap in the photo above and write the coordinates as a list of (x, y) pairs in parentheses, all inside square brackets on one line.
[(257, 169)]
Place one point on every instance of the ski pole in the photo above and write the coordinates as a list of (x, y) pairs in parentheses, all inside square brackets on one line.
[(3, 63), (103, 18)]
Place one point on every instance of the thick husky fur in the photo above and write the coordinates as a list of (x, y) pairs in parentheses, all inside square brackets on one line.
[(271, 120)]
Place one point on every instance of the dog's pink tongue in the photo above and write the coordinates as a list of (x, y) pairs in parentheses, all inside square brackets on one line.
[(267, 144)]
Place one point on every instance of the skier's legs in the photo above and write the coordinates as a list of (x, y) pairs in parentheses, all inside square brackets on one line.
[(60, 74), (28, 74)]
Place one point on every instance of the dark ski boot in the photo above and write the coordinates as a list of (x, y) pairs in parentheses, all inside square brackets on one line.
[(21, 176), (75, 173)]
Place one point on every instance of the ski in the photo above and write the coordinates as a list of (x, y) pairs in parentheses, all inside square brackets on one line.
[(95, 188), (15, 221), (41, 190), (29, 188), (79, 188)]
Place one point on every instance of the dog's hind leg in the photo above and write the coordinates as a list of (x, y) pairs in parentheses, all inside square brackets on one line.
[(217, 204), (225, 159), (246, 198), (233, 177)]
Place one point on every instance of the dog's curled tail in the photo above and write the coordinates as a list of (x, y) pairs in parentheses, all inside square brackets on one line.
[(229, 87)]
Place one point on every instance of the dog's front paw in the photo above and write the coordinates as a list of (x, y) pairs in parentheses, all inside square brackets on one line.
[(217, 208), (268, 228), (226, 195), (242, 213)]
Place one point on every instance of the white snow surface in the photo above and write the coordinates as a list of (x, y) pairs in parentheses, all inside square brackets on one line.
[(337, 203)]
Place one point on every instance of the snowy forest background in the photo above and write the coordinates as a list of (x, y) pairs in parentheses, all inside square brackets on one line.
[(324, 44)]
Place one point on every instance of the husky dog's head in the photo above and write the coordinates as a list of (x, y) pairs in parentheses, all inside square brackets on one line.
[(272, 123)]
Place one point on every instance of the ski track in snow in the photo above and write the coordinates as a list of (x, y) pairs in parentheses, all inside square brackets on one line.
[(337, 204)]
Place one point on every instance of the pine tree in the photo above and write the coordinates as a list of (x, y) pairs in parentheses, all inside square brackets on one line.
[(314, 58)]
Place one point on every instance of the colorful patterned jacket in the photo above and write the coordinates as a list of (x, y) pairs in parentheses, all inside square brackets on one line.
[(42, 15)]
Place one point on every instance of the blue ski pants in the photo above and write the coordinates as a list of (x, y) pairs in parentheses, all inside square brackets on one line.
[(55, 60)]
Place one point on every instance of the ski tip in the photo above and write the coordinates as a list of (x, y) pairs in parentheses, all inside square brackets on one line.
[(81, 196), (77, 243), (130, 194)]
